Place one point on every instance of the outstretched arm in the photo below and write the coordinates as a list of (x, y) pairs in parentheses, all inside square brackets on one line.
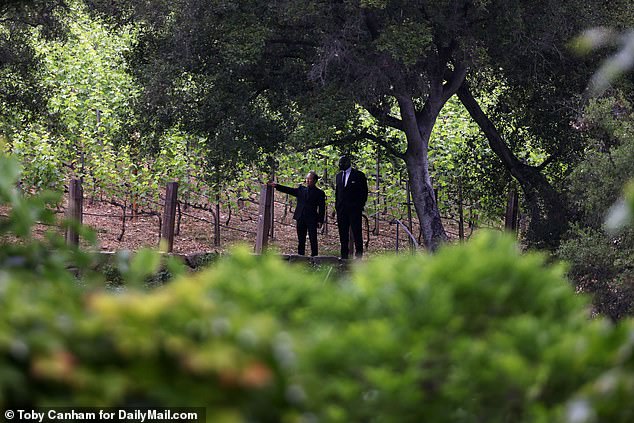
[(283, 188)]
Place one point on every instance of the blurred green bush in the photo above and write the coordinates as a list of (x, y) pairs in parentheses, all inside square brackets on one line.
[(477, 333)]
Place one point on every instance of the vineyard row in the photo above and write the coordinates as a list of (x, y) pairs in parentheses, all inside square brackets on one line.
[(170, 212)]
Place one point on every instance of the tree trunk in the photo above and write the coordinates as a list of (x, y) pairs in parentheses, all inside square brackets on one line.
[(423, 198), (548, 219), (417, 126), (417, 130)]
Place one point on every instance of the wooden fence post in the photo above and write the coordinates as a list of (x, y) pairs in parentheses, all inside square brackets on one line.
[(512, 209), (134, 205), (264, 218), (272, 220), (74, 211), (217, 222), (460, 212), (169, 215)]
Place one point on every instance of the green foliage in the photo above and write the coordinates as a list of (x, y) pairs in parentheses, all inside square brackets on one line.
[(474, 333), (629, 198), (600, 255), (406, 41), (478, 332), (464, 165), (377, 4), (204, 260), (172, 347), (40, 159), (20, 254), (89, 98), (601, 265), (22, 94)]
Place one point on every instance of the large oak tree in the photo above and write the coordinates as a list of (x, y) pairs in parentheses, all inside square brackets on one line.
[(252, 75), (529, 49)]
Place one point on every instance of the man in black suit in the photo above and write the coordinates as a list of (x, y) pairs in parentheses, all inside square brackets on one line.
[(351, 193), (309, 212)]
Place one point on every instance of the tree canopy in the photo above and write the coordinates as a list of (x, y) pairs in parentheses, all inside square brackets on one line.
[(260, 76)]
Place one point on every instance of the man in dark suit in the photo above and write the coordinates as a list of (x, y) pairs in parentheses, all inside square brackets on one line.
[(351, 193), (309, 212)]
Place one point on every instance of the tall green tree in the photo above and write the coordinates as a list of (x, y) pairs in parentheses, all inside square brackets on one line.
[(260, 71), (253, 75), (528, 48)]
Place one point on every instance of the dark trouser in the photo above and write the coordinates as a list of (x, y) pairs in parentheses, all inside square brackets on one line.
[(302, 228), (346, 222)]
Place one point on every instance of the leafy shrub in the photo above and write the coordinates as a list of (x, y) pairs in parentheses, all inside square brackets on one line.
[(601, 264), (42, 163), (475, 333), (171, 347), (478, 332), (600, 258)]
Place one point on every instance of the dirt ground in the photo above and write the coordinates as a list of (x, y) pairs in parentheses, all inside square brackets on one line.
[(195, 233), (195, 229)]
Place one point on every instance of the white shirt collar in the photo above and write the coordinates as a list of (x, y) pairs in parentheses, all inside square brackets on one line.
[(346, 175)]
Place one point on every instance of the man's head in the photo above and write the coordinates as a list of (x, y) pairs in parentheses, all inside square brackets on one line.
[(311, 178), (344, 162)]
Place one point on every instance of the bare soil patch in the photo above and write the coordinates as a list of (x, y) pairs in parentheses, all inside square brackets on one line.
[(195, 230)]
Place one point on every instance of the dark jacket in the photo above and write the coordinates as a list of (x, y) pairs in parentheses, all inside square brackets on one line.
[(352, 197), (311, 203)]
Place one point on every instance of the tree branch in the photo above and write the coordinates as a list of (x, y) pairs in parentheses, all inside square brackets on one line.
[(439, 96), (454, 81), (496, 142), (384, 118), (350, 138), (549, 160)]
